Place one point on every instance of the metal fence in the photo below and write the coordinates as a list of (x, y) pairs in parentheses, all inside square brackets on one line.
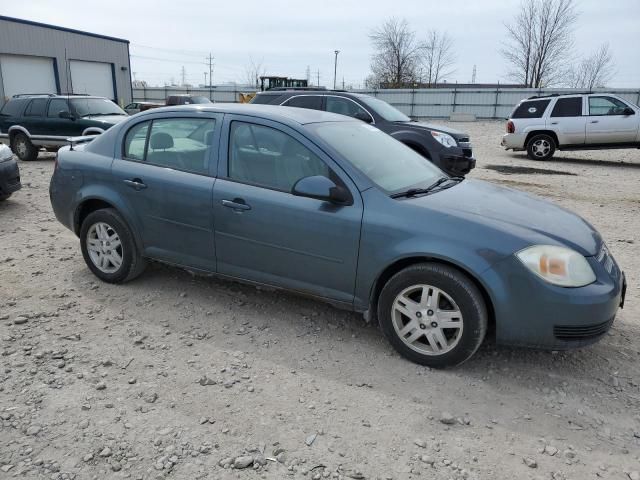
[(485, 103)]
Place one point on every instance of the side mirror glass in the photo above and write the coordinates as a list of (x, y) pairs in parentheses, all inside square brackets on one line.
[(66, 114), (321, 188), (628, 111), (365, 117)]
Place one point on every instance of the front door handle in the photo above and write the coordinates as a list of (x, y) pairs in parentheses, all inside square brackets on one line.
[(594, 121), (236, 204), (554, 123), (136, 184)]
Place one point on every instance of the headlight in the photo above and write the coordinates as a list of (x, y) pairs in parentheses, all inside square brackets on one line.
[(5, 153), (558, 265), (445, 139)]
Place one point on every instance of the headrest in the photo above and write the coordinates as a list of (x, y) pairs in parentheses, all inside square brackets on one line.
[(161, 141)]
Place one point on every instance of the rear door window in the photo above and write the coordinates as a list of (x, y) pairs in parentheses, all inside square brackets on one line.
[(313, 102), (531, 109), (568, 107), (36, 107)]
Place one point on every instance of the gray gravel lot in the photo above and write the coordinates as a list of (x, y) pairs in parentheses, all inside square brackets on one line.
[(189, 377)]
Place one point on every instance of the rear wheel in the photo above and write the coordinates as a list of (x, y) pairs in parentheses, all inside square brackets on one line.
[(23, 148), (108, 247), (433, 315), (541, 147), (4, 196)]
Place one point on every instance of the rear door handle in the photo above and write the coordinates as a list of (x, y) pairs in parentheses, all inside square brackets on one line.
[(594, 121), (554, 123), (136, 184), (236, 204)]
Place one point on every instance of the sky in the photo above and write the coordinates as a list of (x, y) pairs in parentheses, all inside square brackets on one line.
[(288, 37)]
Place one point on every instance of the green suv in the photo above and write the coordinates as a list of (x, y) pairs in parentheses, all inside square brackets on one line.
[(30, 122)]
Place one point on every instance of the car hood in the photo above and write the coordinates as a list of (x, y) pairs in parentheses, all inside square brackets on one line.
[(438, 128), (526, 216), (110, 119)]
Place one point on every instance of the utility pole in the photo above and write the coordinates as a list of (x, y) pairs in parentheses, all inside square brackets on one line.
[(343, 83), (335, 68), (473, 77), (308, 74), (318, 72), (210, 58), (205, 80), (183, 73)]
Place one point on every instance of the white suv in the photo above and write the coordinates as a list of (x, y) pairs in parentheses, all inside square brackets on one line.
[(540, 125)]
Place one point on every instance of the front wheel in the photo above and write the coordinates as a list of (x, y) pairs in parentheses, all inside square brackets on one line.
[(541, 147), (433, 315), (108, 247), (23, 148)]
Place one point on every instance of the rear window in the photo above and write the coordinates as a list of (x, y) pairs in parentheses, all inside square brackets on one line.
[(13, 108), (568, 107), (532, 109), (263, 99)]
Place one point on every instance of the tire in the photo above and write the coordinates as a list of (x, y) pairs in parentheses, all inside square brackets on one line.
[(98, 234), (23, 148), (541, 147), (415, 329), (4, 196)]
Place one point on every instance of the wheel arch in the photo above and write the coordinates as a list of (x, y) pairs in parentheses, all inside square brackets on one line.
[(15, 129), (533, 133), (405, 262)]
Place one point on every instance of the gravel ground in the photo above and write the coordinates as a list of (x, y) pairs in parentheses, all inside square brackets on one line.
[(191, 377)]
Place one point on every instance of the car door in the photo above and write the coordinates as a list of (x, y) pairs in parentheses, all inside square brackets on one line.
[(567, 121), (57, 126), (165, 171), (33, 117), (607, 124), (266, 234)]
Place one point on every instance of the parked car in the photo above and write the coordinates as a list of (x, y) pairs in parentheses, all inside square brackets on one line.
[(137, 107), (446, 148), (308, 201), (9, 173), (543, 124), (187, 100), (31, 122)]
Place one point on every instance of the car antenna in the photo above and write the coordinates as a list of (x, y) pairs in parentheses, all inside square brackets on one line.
[(67, 73)]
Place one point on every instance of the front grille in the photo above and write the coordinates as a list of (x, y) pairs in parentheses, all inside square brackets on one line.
[(467, 152), (463, 140), (605, 258), (581, 332)]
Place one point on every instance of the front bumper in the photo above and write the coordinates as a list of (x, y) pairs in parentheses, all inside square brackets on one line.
[(533, 313), (9, 177), (457, 164)]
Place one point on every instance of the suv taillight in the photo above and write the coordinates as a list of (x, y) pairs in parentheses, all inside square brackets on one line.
[(511, 128)]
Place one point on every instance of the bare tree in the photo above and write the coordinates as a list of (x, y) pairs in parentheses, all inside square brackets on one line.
[(539, 41), (437, 57), (593, 71), (397, 54), (253, 71)]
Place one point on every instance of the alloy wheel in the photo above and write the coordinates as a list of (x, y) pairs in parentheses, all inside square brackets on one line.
[(104, 247), (541, 148), (427, 319)]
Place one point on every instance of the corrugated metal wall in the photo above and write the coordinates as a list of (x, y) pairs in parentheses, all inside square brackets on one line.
[(490, 103), (19, 38)]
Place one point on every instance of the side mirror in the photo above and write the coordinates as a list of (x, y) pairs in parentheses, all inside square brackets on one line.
[(363, 116), (321, 188), (628, 111), (66, 114)]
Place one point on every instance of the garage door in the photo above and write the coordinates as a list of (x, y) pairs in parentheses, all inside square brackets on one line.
[(93, 78), (26, 74)]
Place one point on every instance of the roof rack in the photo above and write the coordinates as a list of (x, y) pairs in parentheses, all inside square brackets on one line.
[(20, 95), (559, 95), (284, 89)]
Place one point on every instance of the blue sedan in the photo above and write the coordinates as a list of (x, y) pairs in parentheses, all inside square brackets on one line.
[(331, 207)]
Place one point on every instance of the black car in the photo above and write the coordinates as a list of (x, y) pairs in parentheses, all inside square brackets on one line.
[(447, 148), (30, 122), (9, 174)]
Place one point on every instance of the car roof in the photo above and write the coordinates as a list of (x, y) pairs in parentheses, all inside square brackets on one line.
[(301, 116), (322, 92)]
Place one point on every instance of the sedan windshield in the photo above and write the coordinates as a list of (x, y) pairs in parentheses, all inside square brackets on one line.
[(385, 161), (386, 111), (85, 107)]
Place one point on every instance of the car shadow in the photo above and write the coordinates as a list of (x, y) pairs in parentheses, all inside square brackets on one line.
[(579, 161)]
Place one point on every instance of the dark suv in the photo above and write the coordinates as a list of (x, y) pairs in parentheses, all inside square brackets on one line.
[(31, 122), (447, 148)]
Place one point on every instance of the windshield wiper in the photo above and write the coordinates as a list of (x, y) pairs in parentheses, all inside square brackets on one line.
[(412, 192), (100, 114)]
